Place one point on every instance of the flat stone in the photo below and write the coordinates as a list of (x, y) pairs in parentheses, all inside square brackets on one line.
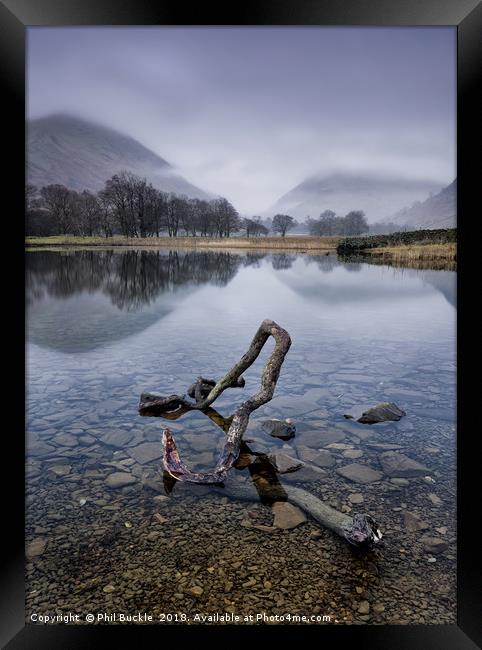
[(319, 457), (119, 439), (146, 452), (401, 466), (352, 453), (321, 438), (413, 522), (66, 440), (203, 458), (383, 446), (287, 516), (285, 463), (359, 473), (120, 479), (35, 548), (434, 544), (60, 470), (39, 448), (400, 481), (305, 474)]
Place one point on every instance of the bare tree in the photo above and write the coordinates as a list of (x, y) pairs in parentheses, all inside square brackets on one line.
[(282, 223)]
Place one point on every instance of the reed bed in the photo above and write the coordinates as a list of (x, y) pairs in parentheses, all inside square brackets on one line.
[(420, 252), (281, 243)]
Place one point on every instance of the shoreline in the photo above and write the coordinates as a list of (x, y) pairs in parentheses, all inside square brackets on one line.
[(251, 243)]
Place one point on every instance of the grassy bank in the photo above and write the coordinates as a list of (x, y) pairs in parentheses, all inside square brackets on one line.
[(281, 243), (417, 252), (413, 240)]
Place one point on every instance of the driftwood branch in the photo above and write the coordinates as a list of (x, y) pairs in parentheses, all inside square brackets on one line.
[(205, 393), (361, 530)]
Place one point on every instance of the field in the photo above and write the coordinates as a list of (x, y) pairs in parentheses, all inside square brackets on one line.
[(282, 243)]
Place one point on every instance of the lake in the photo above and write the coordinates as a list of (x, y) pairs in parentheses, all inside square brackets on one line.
[(105, 325)]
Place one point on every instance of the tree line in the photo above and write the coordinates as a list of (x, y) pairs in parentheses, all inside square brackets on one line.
[(329, 224), (129, 205)]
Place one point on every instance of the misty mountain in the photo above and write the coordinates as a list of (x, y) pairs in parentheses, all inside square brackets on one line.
[(438, 211), (377, 196), (82, 155)]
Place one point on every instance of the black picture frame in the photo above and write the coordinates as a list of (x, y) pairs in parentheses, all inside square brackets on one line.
[(466, 15)]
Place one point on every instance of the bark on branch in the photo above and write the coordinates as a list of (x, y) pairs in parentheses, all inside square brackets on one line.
[(206, 391)]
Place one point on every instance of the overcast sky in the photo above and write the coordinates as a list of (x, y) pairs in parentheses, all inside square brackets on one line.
[(248, 113)]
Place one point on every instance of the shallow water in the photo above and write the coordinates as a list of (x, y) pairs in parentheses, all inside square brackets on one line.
[(103, 326)]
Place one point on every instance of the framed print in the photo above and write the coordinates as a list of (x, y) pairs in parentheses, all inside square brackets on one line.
[(246, 343)]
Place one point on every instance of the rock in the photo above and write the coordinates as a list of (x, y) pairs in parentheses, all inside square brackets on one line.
[(120, 479), (401, 466), (35, 548), (108, 589), (287, 516), (359, 473), (413, 522), (353, 453), (383, 446), (442, 530), (356, 498), (379, 608), (119, 439), (39, 448), (61, 470), (284, 463), (400, 481), (306, 474), (319, 457), (340, 446), (434, 544), (66, 440), (158, 518), (364, 607), (437, 501), (146, 452), (283, 429), (321, 438), (196, 591), (204, 458), (153, 536), (383, 412)]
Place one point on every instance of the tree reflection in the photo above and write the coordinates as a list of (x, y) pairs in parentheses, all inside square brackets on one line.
[(133, 278)]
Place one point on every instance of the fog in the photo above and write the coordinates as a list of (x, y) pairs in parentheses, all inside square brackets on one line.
[(248, 113)]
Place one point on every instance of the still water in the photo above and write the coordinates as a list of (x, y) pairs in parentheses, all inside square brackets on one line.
[(104, 326)]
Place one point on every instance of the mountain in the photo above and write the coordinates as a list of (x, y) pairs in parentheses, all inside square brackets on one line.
[(83, 155), (438, 211), (377, 196)]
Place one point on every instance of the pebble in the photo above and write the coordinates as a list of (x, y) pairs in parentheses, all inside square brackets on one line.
[(364, 607)]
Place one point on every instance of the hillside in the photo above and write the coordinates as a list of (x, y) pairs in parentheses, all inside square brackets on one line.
[(438, 211), (377, 196), (83, 155)]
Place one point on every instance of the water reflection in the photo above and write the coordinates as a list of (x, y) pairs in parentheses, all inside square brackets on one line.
[(80, 300)]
